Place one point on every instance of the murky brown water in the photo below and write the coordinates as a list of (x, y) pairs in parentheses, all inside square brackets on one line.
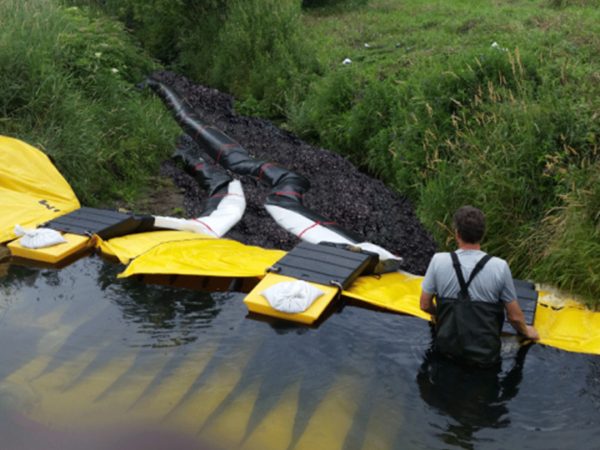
[(91, 362)]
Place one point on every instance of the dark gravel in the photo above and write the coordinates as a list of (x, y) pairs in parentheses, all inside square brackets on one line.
[(339, 191)]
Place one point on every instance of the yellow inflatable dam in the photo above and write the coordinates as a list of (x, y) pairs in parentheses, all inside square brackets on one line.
[(33, 192)]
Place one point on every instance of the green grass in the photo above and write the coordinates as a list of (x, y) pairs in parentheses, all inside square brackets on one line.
[(429, 106), (67, 82)]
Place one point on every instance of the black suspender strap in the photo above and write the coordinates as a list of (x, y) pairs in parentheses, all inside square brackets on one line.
[(482, 262), (461, 280), (458, 270)]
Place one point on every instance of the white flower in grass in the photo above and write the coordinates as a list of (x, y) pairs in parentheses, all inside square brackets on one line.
[(496, 46), (114, 70), (98, 54)]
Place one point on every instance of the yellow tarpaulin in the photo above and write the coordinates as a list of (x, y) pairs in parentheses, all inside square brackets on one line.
[(567, 325), (128, 247), (206, 257), (32, 191), (396, 291)]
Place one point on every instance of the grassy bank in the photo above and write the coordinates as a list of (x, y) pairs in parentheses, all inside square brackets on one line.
[(435, 108), (67, 82)]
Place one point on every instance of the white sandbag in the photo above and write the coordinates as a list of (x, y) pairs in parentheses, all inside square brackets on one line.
[(38, 238), (291, 296)]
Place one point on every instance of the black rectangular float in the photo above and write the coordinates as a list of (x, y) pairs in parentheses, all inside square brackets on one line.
[(527, 297), (325, 264), (102, 222)]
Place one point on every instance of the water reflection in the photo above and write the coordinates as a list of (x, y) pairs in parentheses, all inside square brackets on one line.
[(171, 315), (474, 398), (11, 277), (87, 356)]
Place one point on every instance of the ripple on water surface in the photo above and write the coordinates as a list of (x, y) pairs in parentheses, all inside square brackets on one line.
[(89, 361)]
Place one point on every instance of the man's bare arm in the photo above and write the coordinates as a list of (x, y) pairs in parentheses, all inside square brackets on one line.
[(427, 304), (515, 316)]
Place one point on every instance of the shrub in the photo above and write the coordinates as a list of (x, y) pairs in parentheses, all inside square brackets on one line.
[(261, 53), (68, 87), (167, 28), (569, 238), (253, 49)]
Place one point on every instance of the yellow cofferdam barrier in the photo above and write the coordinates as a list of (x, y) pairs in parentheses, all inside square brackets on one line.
[(567, 325), (32, 191)]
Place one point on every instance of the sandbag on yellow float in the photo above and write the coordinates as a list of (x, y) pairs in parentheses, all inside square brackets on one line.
[(205, 257), (328, 268), (32, 191), (53, 254), (257, 303)]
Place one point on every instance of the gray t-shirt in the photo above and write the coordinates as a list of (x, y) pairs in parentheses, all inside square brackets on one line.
[(493, 283)]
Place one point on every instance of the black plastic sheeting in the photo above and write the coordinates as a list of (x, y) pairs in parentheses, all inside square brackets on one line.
[(287, 187)]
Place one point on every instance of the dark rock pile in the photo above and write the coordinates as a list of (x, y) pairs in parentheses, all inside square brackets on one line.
[(339, 191)]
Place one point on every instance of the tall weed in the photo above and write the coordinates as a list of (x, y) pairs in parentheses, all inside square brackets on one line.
[(262, 54), (570, 238)]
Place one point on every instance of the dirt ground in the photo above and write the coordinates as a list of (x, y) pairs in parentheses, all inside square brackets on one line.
[(339, 191)]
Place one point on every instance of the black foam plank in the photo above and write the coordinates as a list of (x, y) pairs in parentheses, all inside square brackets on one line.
[(105, 223), (323, 264), (527, 297)]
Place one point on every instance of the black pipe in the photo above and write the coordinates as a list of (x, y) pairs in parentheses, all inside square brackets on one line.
[(287, 187)]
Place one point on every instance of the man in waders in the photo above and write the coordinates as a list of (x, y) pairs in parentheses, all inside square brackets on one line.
[(472, 290)]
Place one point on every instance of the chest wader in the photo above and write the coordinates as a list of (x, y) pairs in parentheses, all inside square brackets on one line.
[(469, 330)]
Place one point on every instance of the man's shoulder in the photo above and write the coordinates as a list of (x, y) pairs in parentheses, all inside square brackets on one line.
[(444, 258), (498, 262), (441, 259)]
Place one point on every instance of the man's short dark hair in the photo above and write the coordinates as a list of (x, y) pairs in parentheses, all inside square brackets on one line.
[(469, 223)]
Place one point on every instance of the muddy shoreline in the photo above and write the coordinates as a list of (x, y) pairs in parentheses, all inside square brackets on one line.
[(339, 191)]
